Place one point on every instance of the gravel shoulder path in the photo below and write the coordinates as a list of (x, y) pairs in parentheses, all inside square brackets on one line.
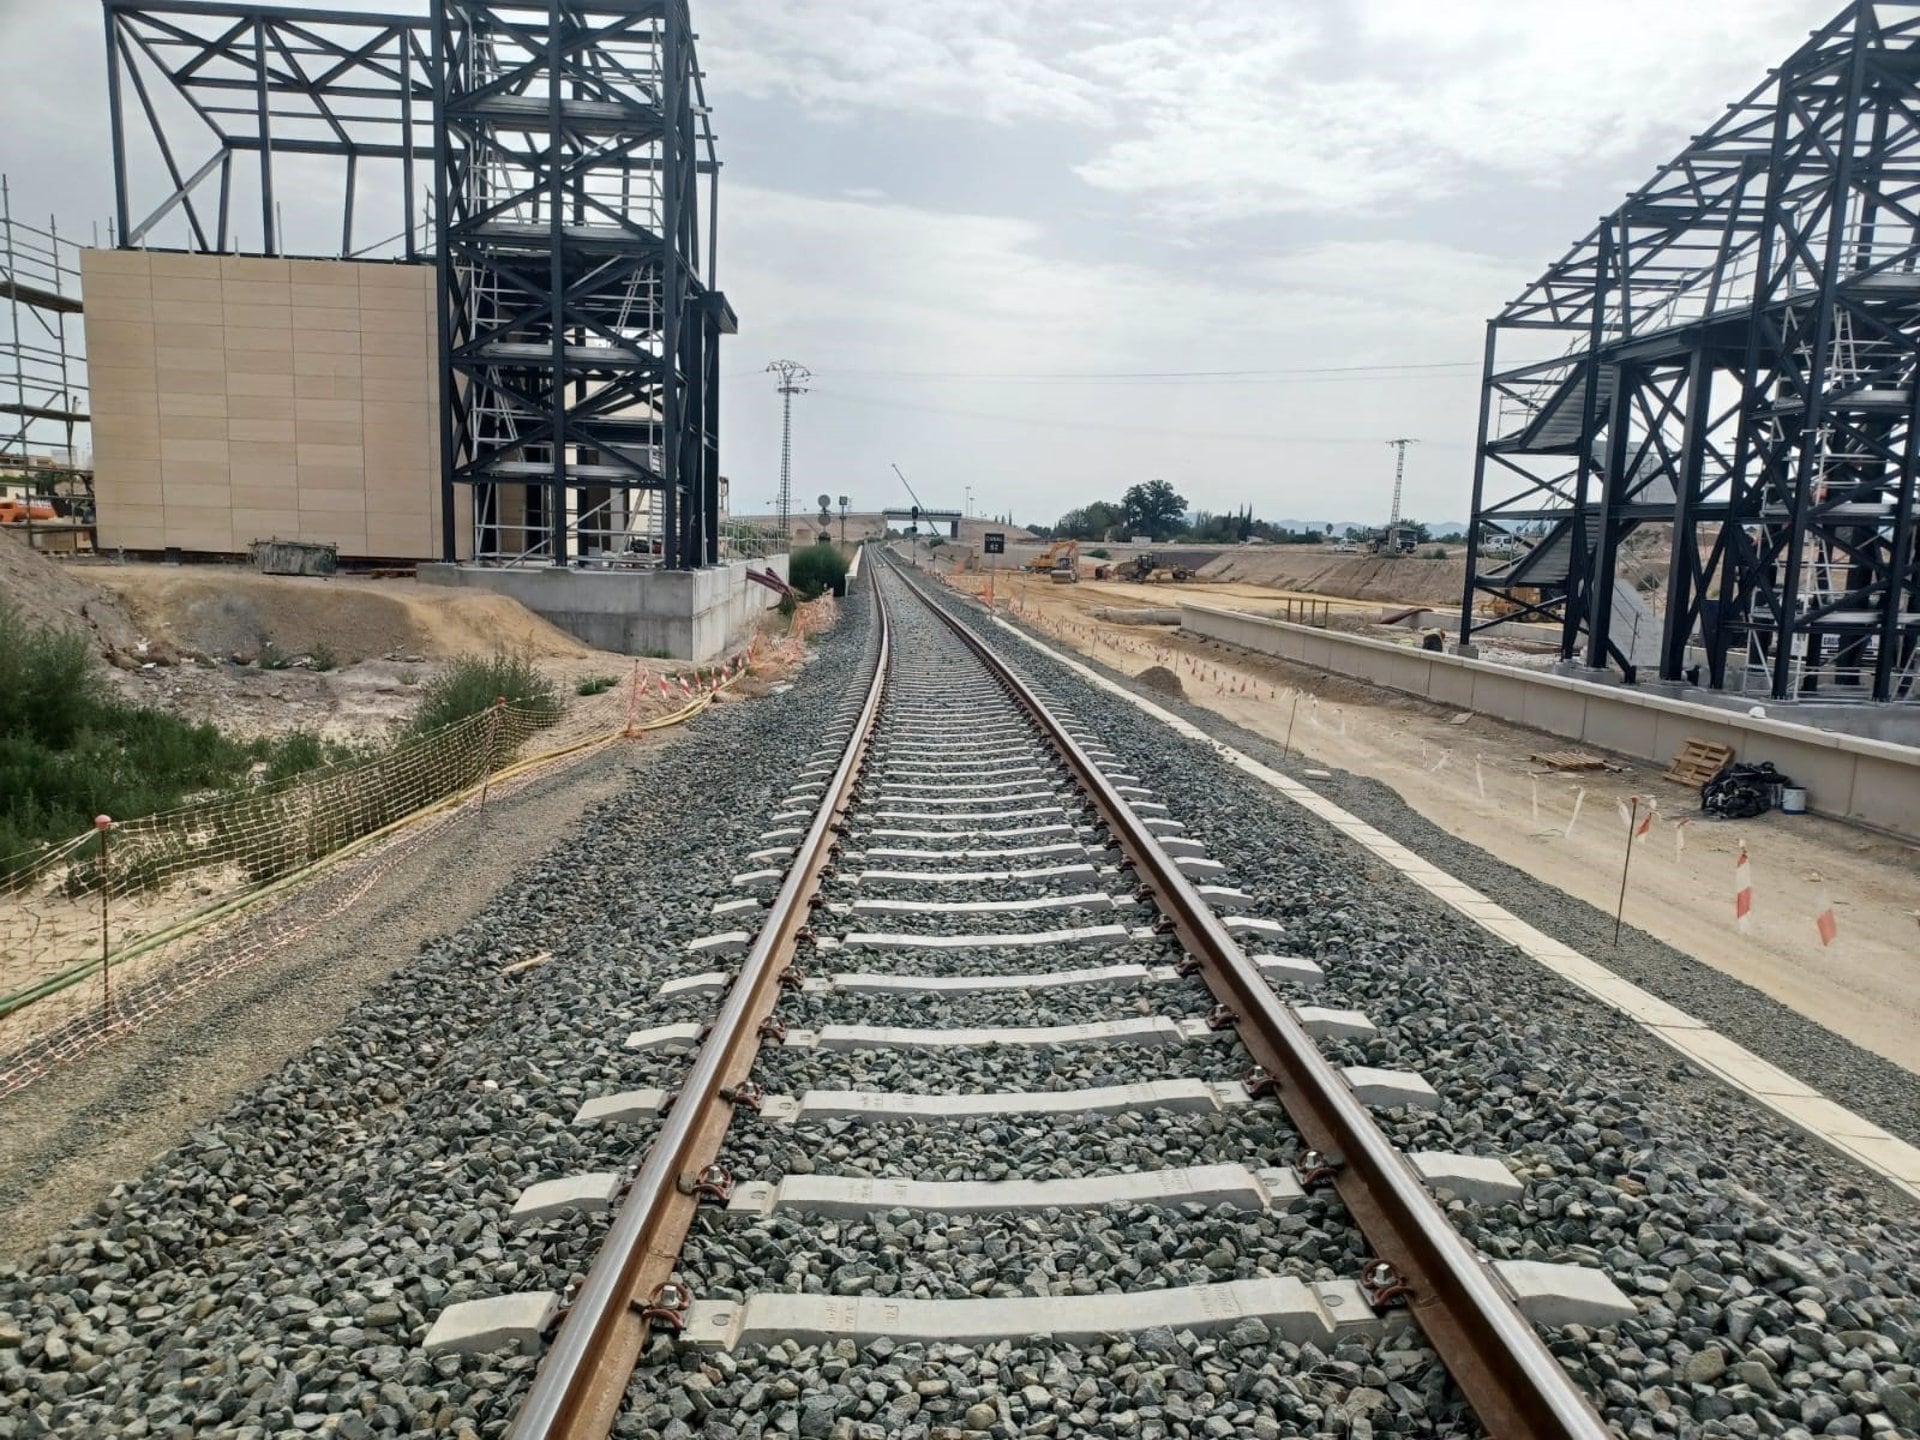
[(65, 1142), (1864, 1082)]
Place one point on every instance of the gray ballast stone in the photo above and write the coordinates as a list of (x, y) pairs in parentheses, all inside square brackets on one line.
[(1388, 1088), (1328, 1024), (972, 984), (1293, 968), (851, 1196), (666, 1038), (706, 983), (1181, 1096), (623, 1105), (727, 942), (570, 1195), (978, 877), (1081, 935), (500, 1322), (1479, 1178), (758, 879), (1093, 900), (1564, 1294), (1135, 1030), (1294, 1311)]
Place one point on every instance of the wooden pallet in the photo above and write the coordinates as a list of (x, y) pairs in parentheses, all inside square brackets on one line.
[(1698, 762), (1568, 760)]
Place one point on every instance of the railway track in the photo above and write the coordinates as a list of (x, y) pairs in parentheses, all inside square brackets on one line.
[(982, 1005)]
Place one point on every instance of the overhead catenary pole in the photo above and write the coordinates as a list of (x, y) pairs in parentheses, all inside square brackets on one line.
[(1399, 477), (791, 377)]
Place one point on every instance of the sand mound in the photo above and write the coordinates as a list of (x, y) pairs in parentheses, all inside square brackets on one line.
[(1353, 577), (52, 595), (229, 613)]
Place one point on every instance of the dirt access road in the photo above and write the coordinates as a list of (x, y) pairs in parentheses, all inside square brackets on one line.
[(1476, 780)]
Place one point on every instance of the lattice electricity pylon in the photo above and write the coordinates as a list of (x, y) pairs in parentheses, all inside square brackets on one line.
[(1734, 352), (577, 246), (330, 113)]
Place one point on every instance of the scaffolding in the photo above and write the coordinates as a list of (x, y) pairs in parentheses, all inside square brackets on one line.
[(552, 158), (1733, 354), (43, 381)]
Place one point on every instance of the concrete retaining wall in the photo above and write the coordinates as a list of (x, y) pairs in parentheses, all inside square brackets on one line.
[(1846, 776), (690, 614)]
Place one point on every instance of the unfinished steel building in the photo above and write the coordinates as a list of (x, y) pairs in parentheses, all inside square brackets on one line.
[(415, 285), (1731, 354)]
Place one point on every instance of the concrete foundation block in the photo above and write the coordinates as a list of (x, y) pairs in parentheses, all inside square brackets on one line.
[(623, 1105), (849, 1197), (588, 1194), (1478, 1178), (1564, 1294), (500, 1322), (708, 982), (1292, 969), (1327, 1024), (669, 1038), (1291, 1309), (1389, 1088), (1178, 1096)]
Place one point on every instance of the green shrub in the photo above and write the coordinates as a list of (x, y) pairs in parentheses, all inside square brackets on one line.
[(322, 657), (70, 750), (470, 684), (595, 685), (1102, 553), (815, 569)]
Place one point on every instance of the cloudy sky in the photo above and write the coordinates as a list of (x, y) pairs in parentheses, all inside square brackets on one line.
[(1018, 241)]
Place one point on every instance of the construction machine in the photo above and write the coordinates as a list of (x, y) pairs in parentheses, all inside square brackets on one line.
[(1060, 555), (1148, 570)]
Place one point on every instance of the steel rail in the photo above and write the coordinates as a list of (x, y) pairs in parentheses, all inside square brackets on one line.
[(1513, 1382), (578, 1389)]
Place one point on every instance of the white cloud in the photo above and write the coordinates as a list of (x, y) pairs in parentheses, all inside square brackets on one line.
[(1223, 110), (875, 295)]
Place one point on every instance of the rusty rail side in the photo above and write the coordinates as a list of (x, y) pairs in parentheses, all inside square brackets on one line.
[(582, 1379), (1516, 1387)]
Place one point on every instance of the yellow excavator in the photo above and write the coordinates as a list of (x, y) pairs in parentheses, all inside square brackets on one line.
[(1061, 560)]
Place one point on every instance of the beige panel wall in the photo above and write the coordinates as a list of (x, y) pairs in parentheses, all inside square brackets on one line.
[(238, 399)]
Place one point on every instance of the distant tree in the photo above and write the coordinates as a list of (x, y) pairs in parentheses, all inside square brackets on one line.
[(1155, 509), (1091, 522)]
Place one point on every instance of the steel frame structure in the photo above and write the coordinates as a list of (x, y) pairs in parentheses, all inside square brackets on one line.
[(1733, 352), (312, 93), (564, 143)]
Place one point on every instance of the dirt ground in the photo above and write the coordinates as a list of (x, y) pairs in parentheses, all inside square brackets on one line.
[(345, 654), (1476, 777)]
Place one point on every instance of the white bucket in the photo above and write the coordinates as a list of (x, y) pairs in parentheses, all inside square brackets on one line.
[(1793, 799)]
